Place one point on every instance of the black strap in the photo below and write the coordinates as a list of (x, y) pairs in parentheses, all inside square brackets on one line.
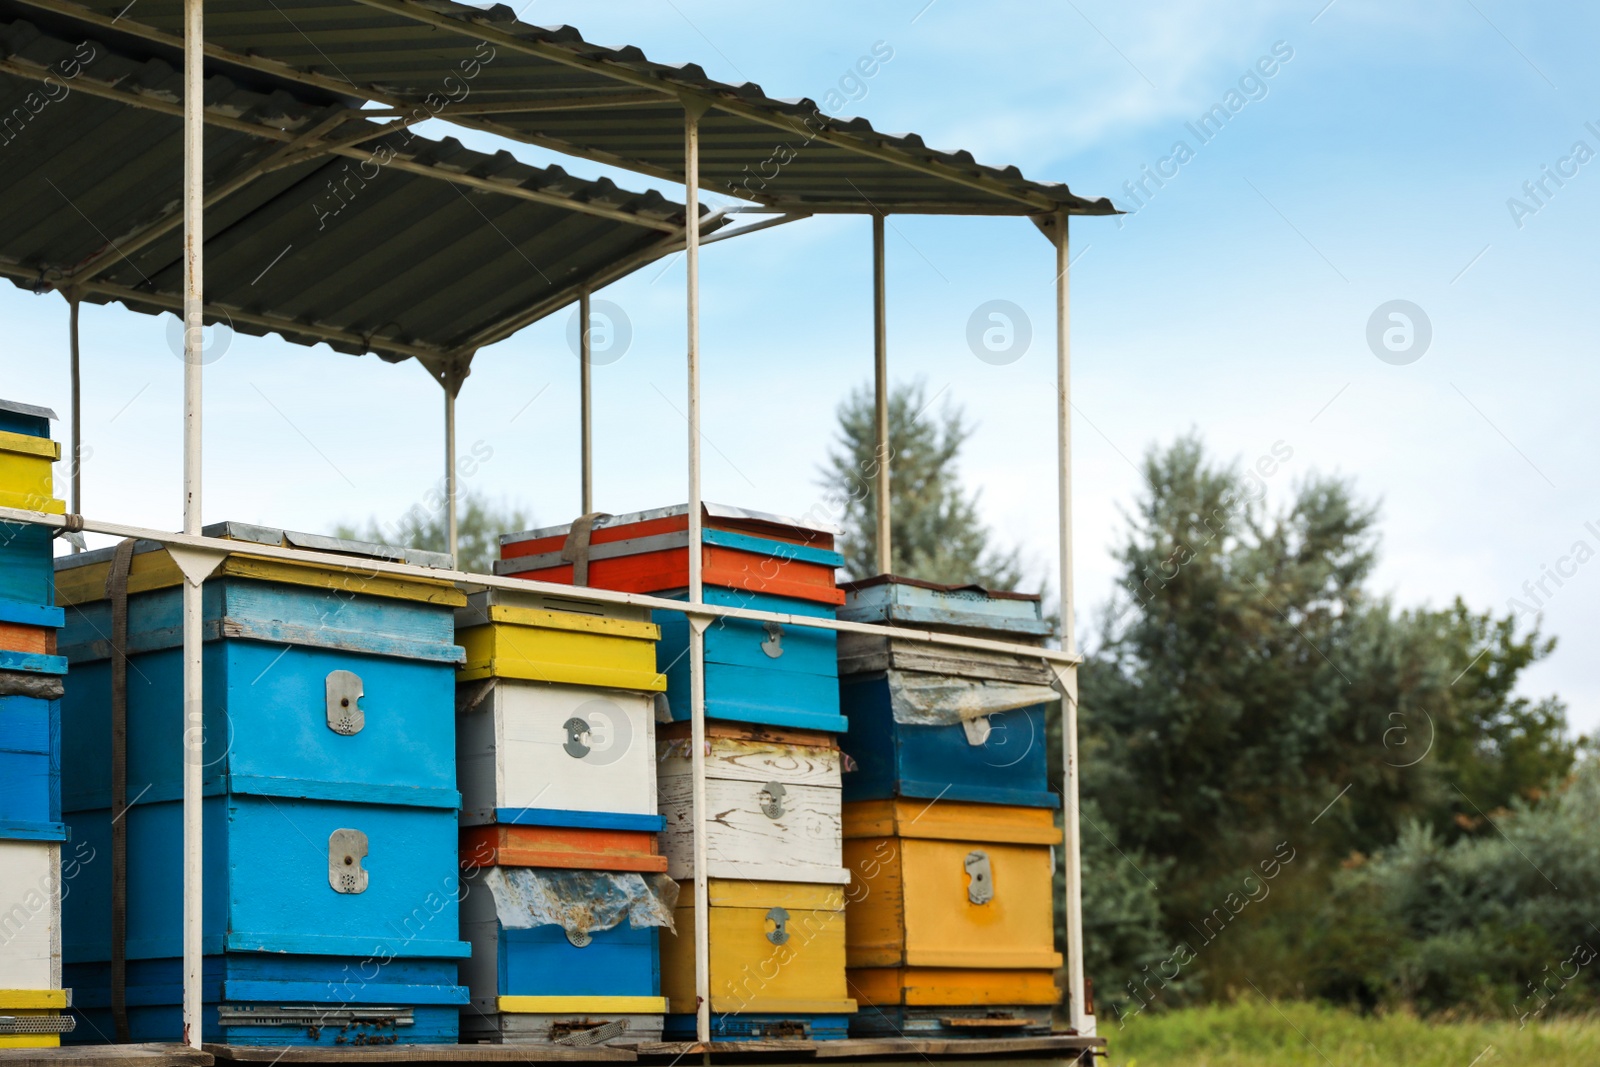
[(576, 549), (117, 593)]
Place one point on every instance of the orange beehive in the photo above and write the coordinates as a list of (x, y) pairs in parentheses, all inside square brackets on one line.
[(560, 846), (647, 552)]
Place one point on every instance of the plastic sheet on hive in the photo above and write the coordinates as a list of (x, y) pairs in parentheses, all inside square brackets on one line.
[(920, 699), (26, 684), (580, 902)]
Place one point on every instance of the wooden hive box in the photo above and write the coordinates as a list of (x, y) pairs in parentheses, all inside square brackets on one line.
[(775, 799), (949, 885), (647, 552), (330, 811), (276, 1000), (932, 720), (768, 674), (771, 674), (556, 717), (910, 602), (567, 847), (30, 768), (536, 982), (26, 457), (777, 962), (30, 884), (37, 1018)]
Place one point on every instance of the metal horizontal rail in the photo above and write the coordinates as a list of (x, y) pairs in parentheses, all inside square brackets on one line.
[(369, 566)]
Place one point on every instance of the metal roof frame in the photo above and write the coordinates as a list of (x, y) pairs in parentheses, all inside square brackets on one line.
[(555, 89), (574, 234)]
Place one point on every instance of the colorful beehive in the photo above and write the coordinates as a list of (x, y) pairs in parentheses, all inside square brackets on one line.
[(330, 806), (31, 829), (952, 906), (931, 720), (775, 798), (556, 734), (777, 963), (755, 672), (557, 714), (566, 957)]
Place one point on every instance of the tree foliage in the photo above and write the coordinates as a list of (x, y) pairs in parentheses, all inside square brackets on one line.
[(936, 534), (1501, 923), (479, 524), (1249, 690)]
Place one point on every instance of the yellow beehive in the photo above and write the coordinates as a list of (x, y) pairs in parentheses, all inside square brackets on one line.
[(950, 885), (26, 1005), (158, 570), (776, 947), (540, 638), (26, 480), (948, 986)]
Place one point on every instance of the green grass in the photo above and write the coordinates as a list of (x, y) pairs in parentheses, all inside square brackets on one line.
[(1252, 1033)]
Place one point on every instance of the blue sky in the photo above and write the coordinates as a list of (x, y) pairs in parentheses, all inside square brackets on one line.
[(1375, 164)]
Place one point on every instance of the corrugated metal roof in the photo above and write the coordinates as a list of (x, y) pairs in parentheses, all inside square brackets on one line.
[(380, 249), (614, 105)]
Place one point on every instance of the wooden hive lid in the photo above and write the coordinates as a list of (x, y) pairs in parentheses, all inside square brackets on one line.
[(81, 578), (949, 820)]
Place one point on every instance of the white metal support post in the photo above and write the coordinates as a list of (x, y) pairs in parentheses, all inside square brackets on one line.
[(693, 109), (586, 402), (76, 472), (451, 380), (1072, 858), (193, 338), (880, 378)]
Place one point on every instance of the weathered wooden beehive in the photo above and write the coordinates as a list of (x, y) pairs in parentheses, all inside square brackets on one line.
[(948, 821), (556, 740), (773, 768)]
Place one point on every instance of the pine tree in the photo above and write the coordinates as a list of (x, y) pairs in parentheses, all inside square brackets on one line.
[(937, 535)]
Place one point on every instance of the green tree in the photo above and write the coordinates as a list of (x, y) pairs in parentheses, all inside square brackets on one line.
[(1501, 923), (1248, 689), (937, 535), (480, 522)]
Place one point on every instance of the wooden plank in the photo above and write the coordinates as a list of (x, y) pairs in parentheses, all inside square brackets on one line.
[(30, 883), (156, 570), (951, 821), (752, 731), (396, 1054), (744, 759), (517, 750), (152, 1055), (803, 844), (853, 1048), (27, 444)]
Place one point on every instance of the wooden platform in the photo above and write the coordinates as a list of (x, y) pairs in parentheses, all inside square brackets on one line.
[(416, 1054), (1061, 1049), (107, 1056)]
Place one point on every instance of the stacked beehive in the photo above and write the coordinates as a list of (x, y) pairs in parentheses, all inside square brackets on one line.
[(774, 856), (31, 830), (556, 747), (948, 819), (330, 909)]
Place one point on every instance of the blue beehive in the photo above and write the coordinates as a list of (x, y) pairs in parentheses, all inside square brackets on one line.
[(756, 672), (556, 952), (938, 721), (330, 807)]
